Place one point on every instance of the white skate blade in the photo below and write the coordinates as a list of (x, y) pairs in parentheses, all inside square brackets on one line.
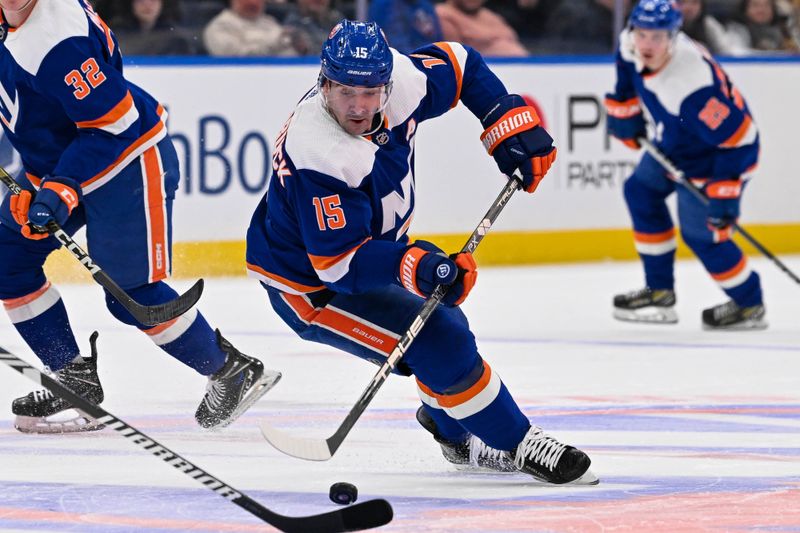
[(747, 325), (79, 423), (588, 478), (647, 315), (259, 389)]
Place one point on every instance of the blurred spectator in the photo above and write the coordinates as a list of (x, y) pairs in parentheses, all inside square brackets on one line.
[(762, 29), (704, 28), (408, 24), (310, 22), (244, 29), (582, 26), (147, 28), (468, 22), (528, 18)]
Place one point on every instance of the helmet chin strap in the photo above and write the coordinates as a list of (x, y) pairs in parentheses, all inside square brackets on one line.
[(377, 122)]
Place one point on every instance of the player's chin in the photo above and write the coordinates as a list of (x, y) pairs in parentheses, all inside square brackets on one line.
[(356, 126)]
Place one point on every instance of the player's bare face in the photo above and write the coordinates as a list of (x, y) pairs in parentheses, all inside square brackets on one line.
[(354, 107), (652, 47)]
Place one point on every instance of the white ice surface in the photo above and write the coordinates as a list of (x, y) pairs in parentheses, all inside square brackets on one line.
[(688, 430)]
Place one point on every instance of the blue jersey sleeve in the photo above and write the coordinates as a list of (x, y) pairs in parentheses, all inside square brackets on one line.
[(456, 73), (334, 221), (93, 93), (624, 88), (719, 116)]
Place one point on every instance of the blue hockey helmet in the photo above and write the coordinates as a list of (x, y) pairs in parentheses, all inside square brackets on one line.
[(356, 53), (656, 15)]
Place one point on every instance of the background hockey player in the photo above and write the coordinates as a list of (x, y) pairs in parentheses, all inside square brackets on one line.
[(698, 119), (96, 152), (329, 239)]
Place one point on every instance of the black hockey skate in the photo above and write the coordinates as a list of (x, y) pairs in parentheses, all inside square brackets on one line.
[(730, 316), (646, 305), (548, 460), (234, 388), (37, 412), (470, 454)]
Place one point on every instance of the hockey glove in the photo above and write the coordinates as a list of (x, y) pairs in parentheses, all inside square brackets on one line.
[(625, 120), (723, 206), (55, 200), (424, 266), (514, 137), (20, 204)]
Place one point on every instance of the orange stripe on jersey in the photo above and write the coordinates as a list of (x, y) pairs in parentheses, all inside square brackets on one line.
[(456, 70), (728, 274), (156, 214), (116, 113), (301, 306), (740, 132), (356, 330), (14, 303), (453, 400), (35, 180), (155, 130), (324, 262), (654, 237), (299, 287)]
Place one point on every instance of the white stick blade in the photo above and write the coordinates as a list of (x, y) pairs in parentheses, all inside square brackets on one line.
[(302, 448)]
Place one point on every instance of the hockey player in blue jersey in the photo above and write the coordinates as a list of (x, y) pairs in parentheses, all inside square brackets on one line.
[(669, 87), (96, 153), (329, 243)]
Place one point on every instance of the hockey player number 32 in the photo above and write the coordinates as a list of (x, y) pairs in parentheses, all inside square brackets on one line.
[(87, 79), (329, 213)]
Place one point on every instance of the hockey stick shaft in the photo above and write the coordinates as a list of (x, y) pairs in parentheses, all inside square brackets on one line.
[(369, 514), (149, 315), (697, 193), (315, 450)]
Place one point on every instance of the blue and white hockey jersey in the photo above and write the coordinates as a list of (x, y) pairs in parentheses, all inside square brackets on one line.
[(64, 102), (338, 206), (695, 114)]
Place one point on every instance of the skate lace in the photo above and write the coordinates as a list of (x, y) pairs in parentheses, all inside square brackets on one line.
[(726, 309), (480, 450), (539, 447), (215, 393)]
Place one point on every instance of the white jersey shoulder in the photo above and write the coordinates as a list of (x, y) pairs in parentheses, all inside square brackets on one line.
[(50, 23), (409, 87), (686, 72), (315, 141)]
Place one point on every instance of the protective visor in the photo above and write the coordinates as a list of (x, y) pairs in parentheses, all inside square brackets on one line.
[(356, 102)]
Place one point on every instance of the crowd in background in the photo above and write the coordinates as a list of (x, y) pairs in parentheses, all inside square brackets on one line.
[(289, 28)]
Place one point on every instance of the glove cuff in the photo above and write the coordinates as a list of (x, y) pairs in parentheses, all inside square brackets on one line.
[(511, 123), (408, 269), (622, 108), (69, 196), (724, 189)]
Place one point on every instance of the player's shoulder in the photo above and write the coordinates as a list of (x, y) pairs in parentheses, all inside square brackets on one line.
[(316, 142), (50, 23), (687, 72), (409, 87)]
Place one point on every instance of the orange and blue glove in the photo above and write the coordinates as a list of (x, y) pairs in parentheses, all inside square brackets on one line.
[(513, 135), (624, 119), (424, 266), (55, 200), (723, 206)]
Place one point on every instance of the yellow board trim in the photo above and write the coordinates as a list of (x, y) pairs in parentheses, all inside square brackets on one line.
[(226, 258)]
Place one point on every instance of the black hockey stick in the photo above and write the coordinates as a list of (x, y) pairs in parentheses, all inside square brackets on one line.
[(366, 515), (697, 193), (149, 315), (313, 449)]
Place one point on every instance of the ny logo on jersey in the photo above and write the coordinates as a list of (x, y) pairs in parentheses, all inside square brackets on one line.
[(9, 108), (397, 206)]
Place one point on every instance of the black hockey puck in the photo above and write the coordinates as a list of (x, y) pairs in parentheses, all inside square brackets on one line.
[(343, 493)]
